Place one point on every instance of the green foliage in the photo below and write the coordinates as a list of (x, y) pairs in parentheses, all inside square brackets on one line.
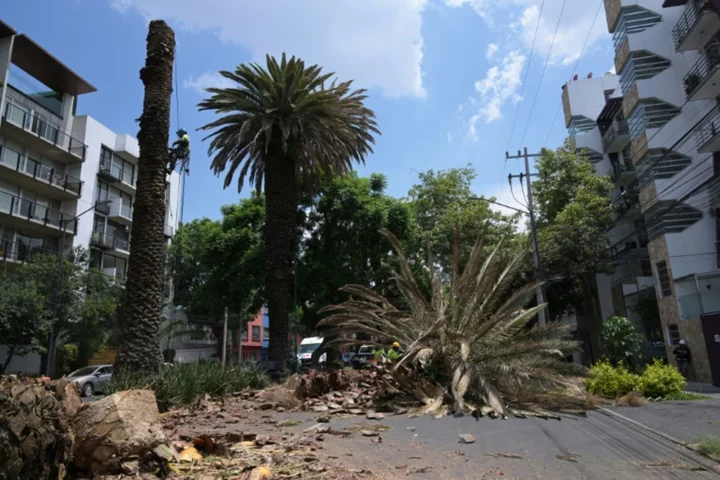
[(709, 446), (67, 359), (646, 306), (611, 382), (574, 213), (660, 379), (24, 317), (476, 322), (184, 383), (219, 264), (685, 396), (623, 344), (341, 243)]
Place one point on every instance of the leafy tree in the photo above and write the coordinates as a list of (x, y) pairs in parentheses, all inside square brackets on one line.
[(444, 206), (342, 244), (622, 342), (283, 127), (574, 213), (24, 320), (646, 306), (219, 264)]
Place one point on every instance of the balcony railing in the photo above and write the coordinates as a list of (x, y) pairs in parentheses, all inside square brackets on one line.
[(703, 68), (694, 11), (617, 129), (708, 129), (627, 204), (23, 208), (20, 253), (50, 133), (107, 241), (620, 167), (697, 294), (24, 164), (109, 172), (169, 230)]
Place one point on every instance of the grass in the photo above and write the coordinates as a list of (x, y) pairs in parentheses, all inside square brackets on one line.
[(185, 383), (709, 446), (685, 396)]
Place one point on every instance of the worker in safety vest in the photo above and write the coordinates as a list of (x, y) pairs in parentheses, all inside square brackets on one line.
[(180, 151), (394, 352)]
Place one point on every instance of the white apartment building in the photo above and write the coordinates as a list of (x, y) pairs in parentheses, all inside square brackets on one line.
[(55, 166), (655, 129)]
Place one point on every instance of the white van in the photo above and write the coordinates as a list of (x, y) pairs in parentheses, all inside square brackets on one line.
[(307, 347)]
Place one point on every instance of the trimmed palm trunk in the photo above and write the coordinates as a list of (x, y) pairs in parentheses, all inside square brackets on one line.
[(281, 204), (140, 350)]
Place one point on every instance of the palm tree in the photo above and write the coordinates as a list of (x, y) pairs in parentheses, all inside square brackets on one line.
[(284, 129), (140, 325)]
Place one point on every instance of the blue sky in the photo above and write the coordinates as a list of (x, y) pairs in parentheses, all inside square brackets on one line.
[(444, 76)]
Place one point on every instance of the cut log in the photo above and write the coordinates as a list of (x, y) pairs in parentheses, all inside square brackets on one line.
[(119, 426)]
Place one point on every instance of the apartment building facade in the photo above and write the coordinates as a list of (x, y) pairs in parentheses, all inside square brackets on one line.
[(55, 166), (653, 128)]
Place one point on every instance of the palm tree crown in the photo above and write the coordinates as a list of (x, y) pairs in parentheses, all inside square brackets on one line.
[(287, 109)]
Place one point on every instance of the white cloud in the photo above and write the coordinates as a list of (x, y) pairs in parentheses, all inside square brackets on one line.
[(500, 85), (491, 49), (207, 80), (378, 43)]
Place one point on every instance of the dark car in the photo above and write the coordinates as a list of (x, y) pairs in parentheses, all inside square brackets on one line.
[(362, 357), (347, 358)]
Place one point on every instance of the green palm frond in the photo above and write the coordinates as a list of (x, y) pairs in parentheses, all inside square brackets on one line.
[(288, 109), (476, 327)]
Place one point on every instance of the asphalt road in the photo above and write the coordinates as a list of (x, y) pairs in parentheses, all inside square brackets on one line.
[(596, 447)]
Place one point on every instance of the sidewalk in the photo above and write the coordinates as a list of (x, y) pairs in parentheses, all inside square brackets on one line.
[(704, 388), (684, 420)]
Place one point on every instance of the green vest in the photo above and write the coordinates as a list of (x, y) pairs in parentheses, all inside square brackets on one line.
[(186, 139)]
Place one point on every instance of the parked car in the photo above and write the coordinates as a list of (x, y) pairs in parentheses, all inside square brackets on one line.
[(91, 379), (307, 347), (347, 358), (362, 357)]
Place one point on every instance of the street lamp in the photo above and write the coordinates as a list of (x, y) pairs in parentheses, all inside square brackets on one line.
[(58, 282)]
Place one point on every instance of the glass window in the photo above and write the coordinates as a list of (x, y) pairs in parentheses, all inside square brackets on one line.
[(673, 334), (99, 224), (95, 258), (266, 334), (105, 157), (128, 175), (256, 333), (244, 335), (663, 278), (102, 192)]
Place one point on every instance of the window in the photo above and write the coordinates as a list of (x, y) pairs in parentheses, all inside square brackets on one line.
[(119, 264), (266, 334), (244, 335), (102, 192), (105, 157), (125, 201), (119, 168), (673, 334), (256, 333), (663, 279)]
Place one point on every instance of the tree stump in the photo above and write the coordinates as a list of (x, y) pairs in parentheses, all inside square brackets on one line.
[(36, 441)]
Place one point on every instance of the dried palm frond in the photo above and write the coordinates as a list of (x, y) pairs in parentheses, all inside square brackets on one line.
[(475, 334)]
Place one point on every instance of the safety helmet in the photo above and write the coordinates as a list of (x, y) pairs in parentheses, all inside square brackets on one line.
[(682, 342), (396, 345), (181, 132)]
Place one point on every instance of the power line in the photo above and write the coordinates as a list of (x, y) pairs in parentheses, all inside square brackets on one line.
[(587, 39), (542, 74), (527, 71)]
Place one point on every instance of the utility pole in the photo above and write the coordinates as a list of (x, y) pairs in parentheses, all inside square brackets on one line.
[(224, 341), (540, 291)]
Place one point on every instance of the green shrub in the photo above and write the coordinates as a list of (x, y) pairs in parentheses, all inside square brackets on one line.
[(184, 383), (611, 382), (659, 380), (169, 355), (622, 342)]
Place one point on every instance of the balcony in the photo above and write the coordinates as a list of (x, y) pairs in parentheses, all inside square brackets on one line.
[(628, 208), (120, 212), (169, 231), (106, 241), (110, 173), (26, 172), (633, 249), (623, 171), (616, 137), (697, 25), (702, 81), (707, 134), (41, 136), (20, 211), (19, 253), (697, 294)]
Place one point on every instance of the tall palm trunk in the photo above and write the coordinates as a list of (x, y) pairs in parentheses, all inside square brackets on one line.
[(281, 204), (140, 350)]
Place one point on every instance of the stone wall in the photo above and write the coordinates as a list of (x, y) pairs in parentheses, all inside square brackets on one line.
[(613, 9), (630, 100), (690, 330), (622, 55), (648, 197), (639, 147)]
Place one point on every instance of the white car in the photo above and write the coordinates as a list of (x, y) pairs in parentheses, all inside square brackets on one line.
[(307, 347)]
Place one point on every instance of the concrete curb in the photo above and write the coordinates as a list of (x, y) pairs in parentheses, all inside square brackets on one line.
[(663, 435)]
